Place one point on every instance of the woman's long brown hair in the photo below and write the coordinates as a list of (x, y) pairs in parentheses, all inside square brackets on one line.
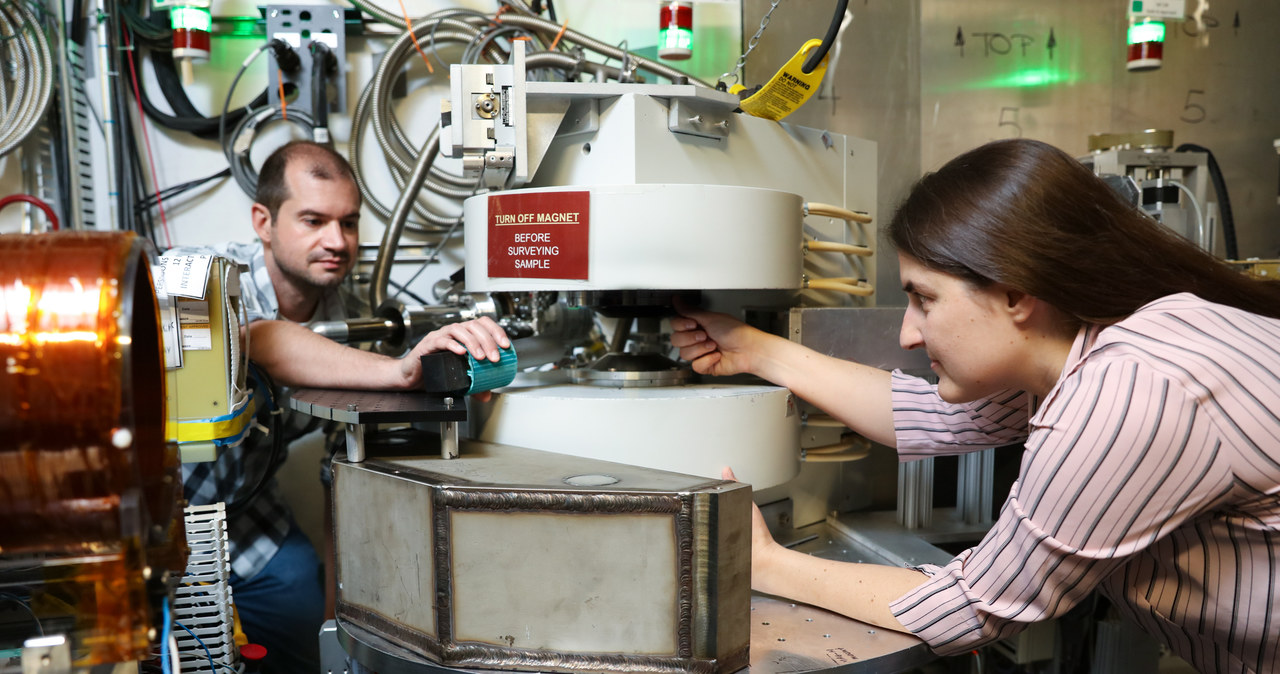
[(1027, 215)]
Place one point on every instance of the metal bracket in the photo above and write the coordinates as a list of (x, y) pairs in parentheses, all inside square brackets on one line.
[(333, 659), (705, 121), (300, 25), (485, 122)]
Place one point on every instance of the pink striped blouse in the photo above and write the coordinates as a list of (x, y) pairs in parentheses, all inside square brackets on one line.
[(1151, 471)]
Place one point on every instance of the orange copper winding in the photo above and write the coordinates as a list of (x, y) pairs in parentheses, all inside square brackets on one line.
[(89, 487)]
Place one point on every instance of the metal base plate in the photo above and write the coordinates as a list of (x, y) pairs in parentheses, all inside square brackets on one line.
[(785, 638), (377, 407)]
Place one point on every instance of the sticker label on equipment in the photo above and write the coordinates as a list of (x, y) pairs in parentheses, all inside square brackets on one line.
[(539, 235), (193, 323), (1165, 9)]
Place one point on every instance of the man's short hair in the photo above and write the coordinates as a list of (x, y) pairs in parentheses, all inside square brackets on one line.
[(321, 161)]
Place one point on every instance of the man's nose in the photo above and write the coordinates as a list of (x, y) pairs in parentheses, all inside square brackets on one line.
[(333, 237)]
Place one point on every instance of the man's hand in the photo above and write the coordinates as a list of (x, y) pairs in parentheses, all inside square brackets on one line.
[(482, 338)]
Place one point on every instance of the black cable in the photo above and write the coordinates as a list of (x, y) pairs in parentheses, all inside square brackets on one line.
[(279, 451), (1224, 202), (120, 130), (405, 291), (24, 603), (186, 117), (151, 200), (322, 62), (828, 40), (77, 25), (155, 34), (286, 58), (241, 167)]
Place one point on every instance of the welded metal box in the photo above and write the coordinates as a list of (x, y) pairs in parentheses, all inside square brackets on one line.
[(512, 558)]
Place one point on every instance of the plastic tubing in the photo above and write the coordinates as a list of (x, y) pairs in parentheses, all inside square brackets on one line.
[(27, 198), (858, 289), (827, 210), (833, 247), (822, 421), (854, 448)]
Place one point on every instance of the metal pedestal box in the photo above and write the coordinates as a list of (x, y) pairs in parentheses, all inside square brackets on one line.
[(511, 558)]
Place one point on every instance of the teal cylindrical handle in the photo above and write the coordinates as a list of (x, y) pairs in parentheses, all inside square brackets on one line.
[(487, 375)]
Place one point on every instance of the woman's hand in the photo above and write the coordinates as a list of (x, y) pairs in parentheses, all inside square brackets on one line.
[(715, 344), (762, 544)]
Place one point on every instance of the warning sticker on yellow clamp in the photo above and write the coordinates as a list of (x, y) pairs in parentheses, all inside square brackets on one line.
[(789, 88)]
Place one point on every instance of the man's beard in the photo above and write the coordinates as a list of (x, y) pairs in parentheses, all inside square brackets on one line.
[(302, 279)]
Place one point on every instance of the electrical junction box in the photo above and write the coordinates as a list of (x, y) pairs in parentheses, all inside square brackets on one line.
[(207, 394)]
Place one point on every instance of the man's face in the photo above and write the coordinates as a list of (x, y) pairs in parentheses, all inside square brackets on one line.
[(315, 236)]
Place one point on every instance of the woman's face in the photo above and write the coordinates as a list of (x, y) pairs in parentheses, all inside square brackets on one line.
[(966, 331)]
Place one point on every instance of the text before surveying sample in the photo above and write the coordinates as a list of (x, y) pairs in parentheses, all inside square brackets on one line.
[(538, 235)]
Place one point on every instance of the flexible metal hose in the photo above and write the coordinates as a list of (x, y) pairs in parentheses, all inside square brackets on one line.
[(375, 105), (30, 55), (359, 120), (573, 36), (536, 23), (391, 236)]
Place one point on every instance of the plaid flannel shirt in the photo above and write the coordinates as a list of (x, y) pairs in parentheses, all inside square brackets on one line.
[(255, 533)]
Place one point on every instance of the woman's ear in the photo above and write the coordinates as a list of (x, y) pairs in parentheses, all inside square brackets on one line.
[(1020, 305)]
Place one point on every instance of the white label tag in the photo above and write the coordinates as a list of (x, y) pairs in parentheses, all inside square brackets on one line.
[(1164, 9), (193, 320), (185, 275)]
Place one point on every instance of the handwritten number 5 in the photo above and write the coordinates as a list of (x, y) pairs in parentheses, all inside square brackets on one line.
[(1011, 121), (1193, 113)]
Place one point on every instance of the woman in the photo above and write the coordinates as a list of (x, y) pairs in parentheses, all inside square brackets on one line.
[(1139, 372)]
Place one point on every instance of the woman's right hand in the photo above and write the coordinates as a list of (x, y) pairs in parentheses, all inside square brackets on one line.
[(763, 546), (713, 343)]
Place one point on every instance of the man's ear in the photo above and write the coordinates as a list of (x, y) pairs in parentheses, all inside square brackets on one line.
[(261, 219)]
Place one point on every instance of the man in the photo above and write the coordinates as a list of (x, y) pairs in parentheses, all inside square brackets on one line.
[(305, 214)]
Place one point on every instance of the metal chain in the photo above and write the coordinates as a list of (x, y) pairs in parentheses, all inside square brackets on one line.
[(751, 44)]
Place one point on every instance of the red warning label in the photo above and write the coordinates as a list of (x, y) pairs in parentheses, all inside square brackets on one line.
[(539, 235)]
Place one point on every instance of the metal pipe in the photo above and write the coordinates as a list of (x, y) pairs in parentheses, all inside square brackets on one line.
[(391, 236), (355, 330)]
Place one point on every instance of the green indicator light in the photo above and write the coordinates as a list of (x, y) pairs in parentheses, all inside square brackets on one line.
[(675, 38), (240, 26), (1146, 31), (191, 18), (1026, 78)]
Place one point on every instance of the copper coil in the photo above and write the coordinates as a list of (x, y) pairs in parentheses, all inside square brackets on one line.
[(88, 484)]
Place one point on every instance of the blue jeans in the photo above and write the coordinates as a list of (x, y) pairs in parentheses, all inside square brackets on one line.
[(282, 607)]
